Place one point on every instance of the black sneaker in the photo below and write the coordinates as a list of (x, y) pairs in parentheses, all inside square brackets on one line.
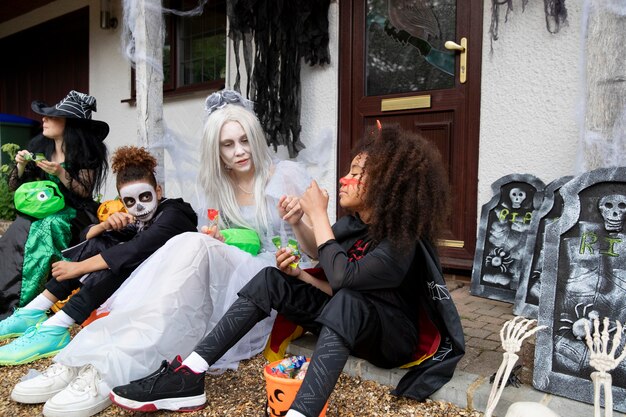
[(172, 387)]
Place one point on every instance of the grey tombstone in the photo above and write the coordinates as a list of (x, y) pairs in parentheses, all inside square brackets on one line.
[(584, 276), (502, 233), (528, 290)]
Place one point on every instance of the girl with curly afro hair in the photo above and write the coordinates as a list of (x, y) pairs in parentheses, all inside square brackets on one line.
[(378, 293), (98, 265), (409, 199)]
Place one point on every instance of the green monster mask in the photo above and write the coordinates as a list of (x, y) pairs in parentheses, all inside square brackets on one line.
[(39, 198)]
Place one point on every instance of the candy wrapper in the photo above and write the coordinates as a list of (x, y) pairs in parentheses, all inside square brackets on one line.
[(291, 244), (35, 157), (290, 367), (213, 216)]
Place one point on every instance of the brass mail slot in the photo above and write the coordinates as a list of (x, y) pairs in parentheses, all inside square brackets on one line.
[(405, 103), (451, 243)]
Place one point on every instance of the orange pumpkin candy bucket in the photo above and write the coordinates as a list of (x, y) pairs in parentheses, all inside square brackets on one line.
[(281, 391), (109, 207)]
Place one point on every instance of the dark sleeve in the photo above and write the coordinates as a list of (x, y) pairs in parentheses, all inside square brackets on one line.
[(381, 267), (30, 174), (129, 255)]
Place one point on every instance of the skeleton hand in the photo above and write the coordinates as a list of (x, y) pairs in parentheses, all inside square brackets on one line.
[(512, 334), (600, 358), (515, 331)]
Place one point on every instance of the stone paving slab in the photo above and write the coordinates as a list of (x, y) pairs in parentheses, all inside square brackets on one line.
[(470, 387)]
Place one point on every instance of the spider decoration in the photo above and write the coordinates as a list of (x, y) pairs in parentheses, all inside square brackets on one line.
[(499, 258), (582, 317), (513, 379)]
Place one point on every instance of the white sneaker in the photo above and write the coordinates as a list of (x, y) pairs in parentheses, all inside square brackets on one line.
[(85, 396), (44, 386)]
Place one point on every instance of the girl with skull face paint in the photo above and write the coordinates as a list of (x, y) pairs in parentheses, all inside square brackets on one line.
[(100, 264), (177, 295)]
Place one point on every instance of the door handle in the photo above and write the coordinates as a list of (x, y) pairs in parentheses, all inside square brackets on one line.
[(462, 48)]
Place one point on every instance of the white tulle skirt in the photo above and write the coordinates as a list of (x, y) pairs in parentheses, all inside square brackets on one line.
[(166, 307)]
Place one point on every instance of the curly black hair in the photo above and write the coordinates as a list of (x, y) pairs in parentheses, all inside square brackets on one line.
[(132, 163), (407, 189)]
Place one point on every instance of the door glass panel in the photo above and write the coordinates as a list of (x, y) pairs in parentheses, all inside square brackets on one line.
[(405, 45)]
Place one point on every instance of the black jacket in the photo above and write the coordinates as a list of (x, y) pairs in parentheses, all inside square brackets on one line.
[(123, 250), (412, 280)]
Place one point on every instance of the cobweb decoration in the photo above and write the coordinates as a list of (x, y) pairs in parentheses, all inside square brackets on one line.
[(131, 11), (603, 113)]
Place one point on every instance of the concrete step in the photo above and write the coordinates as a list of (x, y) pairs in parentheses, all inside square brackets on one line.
[(467, 390)]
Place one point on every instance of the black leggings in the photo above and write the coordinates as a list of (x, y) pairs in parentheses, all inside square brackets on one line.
[(97, 287), (347, 323)]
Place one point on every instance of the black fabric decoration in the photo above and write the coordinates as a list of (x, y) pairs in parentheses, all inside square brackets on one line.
[(556, 15), (283, 33)]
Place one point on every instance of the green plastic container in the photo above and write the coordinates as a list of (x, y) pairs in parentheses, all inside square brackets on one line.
[(245, 239)]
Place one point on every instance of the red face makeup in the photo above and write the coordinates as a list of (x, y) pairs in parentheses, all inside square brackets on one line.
[(352, 185), (350, 181)]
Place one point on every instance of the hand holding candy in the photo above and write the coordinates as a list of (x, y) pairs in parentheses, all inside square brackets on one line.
[(23, 156), (287, 262), (212, 229)]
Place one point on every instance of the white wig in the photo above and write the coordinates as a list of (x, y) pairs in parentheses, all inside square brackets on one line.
[(216, 180)]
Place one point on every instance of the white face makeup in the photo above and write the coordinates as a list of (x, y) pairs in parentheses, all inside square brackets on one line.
[(235, 149), (140, 199)]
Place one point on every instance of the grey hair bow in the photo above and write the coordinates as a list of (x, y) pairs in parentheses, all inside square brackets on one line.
[(221, 99)]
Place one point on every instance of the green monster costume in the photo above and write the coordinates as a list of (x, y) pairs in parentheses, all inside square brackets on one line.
[(46, 236)]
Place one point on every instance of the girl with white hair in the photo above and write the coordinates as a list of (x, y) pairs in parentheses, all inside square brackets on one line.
[(177, 295)]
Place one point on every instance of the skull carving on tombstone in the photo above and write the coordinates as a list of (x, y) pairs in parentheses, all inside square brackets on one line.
[(613, 210), (517, 196)]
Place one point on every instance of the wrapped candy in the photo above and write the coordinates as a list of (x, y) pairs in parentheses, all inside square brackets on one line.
[(291, 244), (295, 251), (213, 216), (289, 367), (35, 157)]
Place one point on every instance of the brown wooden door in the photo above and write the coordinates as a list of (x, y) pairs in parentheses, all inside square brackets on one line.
[(395, 68)]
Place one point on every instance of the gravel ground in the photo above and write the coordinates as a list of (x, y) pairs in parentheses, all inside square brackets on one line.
[(242, 393)]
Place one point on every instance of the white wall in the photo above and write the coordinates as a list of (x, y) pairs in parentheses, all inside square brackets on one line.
[(530, 97)]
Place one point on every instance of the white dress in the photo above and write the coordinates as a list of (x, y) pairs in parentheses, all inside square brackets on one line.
[(175, 297)]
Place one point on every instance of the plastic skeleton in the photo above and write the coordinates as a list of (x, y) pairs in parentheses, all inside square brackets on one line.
[(602, 359), (512, 334)]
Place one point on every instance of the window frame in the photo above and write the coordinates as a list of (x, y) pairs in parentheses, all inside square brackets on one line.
[(170, 89)]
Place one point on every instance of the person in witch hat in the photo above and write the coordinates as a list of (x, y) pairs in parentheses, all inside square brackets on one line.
[(69, 152)]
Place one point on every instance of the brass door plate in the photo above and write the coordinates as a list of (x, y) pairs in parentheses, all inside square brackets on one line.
[(405, 103)]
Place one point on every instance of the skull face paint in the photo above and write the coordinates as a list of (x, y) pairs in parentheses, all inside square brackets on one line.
[(140, 199)]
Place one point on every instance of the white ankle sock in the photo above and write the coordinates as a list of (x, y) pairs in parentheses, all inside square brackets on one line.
[(40, 302), (294, 413), (60, 319), (196, 363)]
